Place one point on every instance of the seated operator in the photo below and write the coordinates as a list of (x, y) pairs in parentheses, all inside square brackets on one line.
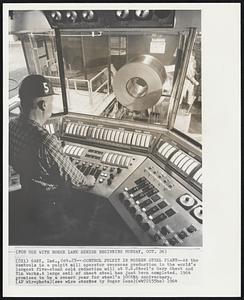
[(47, 176)]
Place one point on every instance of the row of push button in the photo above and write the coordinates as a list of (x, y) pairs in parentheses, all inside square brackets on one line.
[(73, 150), (111, 135), (116, 159), (77, 129), (179, 158)]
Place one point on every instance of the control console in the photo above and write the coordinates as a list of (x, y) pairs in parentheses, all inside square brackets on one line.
[(158, 209)]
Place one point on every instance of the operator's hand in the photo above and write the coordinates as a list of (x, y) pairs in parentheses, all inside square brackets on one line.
[(90, 181)]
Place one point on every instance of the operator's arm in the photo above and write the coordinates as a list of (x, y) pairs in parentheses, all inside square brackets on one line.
[(67, 170)]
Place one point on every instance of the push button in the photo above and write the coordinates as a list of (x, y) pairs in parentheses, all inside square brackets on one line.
[(145, 203), (159, 218), (162, 204), (170, 212), (152, 210), (155, 197)]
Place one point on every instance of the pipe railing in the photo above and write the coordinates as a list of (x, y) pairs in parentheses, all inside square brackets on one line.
[(89, 83)]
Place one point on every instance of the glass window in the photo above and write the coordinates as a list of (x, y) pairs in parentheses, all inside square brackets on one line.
[(17, 65), (189, 114), (86, 71), (41, 55), (92, 60)]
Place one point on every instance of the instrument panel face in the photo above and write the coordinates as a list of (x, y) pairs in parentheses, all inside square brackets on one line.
[(110, 168), (158, 209)]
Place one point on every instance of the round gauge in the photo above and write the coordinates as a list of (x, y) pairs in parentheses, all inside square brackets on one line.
[(56, 15), (88, 15), (187, 200), (198, 212), (122, 14), (142, 14), (71, 15)]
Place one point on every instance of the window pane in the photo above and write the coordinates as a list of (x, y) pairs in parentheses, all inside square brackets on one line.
[(92, 62), (41, 53), (17, 65), (189, 115)]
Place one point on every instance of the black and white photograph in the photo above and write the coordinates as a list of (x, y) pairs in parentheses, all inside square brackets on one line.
[(105, 128), (121, 149)]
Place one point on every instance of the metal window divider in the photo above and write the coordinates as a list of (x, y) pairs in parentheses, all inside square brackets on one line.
[(180, 80), (61, 69)]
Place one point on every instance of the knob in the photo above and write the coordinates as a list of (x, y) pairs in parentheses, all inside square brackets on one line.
[(132, 210), (119, 170), (109, 181), (56, 15), (121, 196), (88, 15), (127, 203), (145, 226), (142, 14), (156, 237), (187, 201), (122, 14), (71, 16), (139, 218)]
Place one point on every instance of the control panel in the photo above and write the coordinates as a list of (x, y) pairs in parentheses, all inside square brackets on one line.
[(158, 209), (110, 135), (110, 168), (183, 162)]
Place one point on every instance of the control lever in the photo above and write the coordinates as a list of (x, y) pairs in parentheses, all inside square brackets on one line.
[(97, 173)]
